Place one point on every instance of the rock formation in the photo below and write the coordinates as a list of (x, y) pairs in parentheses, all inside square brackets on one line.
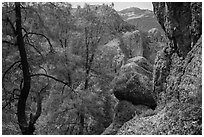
[(155, 35), (182, 23), (151, 47), (133, 41), (180, 105), (134, 83), (124, 111), (143, 62), (130, 44), (133, 89), (177, 74)]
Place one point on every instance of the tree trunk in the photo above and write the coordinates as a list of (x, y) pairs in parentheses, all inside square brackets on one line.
[(26, 128), (81, 126)]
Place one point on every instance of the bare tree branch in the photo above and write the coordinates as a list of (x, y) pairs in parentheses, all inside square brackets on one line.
[(7, 42), (11, 24), (34, 33), (43, 69), (10, 69), (45, 75), (35, 49), (9, 102), (12, 98)]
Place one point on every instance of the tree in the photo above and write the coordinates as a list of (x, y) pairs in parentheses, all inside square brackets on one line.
[(50, 70), (23, 36), (26, 127)]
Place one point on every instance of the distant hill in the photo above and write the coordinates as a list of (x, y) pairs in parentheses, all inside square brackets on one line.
[(143, 19), (110, 17)]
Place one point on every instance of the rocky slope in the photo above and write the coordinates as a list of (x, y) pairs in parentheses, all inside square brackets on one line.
[(176, 85), (132, 84), (182, 115)]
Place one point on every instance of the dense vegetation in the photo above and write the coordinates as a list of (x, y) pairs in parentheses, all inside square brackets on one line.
[(55, 78)]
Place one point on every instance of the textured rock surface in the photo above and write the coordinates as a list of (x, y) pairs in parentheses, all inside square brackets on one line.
[(185, 79), (136, 89), (133, 88), (182, 26), (133, 41), (176, 76), (134, 83), (173, 119), (143, 62), (111, 55), (182, 23), (124, 111), (155, 35), (132, 68), (150, 48)]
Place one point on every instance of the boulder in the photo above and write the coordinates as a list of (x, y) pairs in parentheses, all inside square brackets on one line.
[(135, 88), (142, 62), (124, 111), (110, 56), (133, 40), (151, 47), (132, 67), (134, 82), (155, 35)]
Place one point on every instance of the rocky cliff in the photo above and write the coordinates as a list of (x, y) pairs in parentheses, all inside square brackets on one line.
[(177, 78), (182, 23)]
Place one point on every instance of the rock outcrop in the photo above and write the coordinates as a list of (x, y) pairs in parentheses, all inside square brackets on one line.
[(177, 74), (134, 83), (181, 109), (155, 35), (124, 111), (133, 41), (133, 89), (151, 47), (182, 23), (143, 62)]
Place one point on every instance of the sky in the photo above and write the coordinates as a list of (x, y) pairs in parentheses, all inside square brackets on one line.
[(119, 5)]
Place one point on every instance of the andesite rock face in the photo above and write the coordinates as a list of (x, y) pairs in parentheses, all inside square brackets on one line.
[(177, 73), (133, 41), (124, 111), (134, 83), (176, 88), (143, 62), (133, 88), (182, 23), (155, 35), (180, 104)]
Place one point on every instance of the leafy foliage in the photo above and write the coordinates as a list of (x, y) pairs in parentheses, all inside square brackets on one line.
[(59, 43)]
